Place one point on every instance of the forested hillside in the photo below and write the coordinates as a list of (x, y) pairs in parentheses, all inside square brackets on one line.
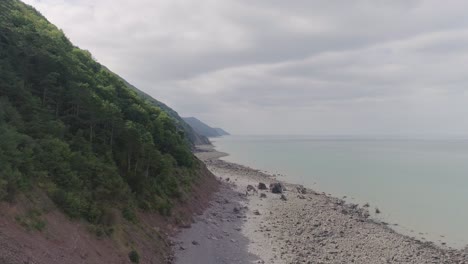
[(73, 129), (194, 137), (203, 129)]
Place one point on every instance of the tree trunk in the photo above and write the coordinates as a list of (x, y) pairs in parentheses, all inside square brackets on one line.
[(91, 134), (112, 136), (128, 162), (44, 93), (136, 166), (57, 109)]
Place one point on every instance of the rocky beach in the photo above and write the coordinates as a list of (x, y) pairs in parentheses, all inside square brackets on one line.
[(255, 218)]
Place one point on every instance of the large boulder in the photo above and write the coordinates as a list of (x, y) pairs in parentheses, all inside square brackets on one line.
[(262, 186), (276, 187), (250, 188), (300, 189)]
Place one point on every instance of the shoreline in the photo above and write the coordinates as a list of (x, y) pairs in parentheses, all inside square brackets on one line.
[(298, 226)]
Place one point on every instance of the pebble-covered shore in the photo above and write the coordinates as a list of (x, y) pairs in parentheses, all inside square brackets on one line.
[(297, 225)]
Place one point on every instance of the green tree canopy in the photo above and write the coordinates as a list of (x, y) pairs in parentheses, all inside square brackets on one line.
[(70, 124)]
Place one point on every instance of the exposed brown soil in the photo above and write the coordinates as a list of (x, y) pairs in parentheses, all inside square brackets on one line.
[(64, 241)]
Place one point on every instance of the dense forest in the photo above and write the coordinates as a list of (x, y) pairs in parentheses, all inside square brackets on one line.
[(203, 129), (73, 129), (192, 136)]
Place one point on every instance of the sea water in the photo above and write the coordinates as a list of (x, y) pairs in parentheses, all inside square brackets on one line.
[(419, 185)]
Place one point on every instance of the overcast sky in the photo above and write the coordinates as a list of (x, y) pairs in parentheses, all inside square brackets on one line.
[(286, 67)]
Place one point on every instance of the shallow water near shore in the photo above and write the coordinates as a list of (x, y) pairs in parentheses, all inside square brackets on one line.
[(421, 185)]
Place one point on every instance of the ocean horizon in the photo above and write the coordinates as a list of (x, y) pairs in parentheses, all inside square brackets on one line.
[(418, 183)]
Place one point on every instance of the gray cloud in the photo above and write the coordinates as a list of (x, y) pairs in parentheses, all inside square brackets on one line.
[(340, 67)]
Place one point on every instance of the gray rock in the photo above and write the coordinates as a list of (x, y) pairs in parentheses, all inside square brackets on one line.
[(262, 186), (300, 189), (250, 188), (276, 187)]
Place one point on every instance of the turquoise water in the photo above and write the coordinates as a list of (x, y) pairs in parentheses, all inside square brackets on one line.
[(422, 185)]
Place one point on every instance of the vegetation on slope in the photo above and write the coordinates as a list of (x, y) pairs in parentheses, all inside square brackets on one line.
[(193, 137), (74, 129), (204, 129)]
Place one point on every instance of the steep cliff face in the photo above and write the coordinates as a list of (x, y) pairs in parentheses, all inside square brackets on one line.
[(221, 131), (204, 129), (82, 149)]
